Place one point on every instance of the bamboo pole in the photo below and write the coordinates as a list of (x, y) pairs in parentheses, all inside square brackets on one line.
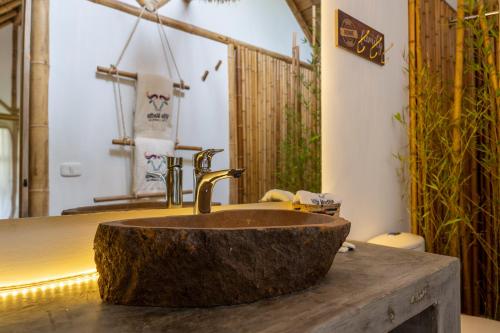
[(239, 117), (253, 122), (13, 74), (233, 121), (13, 5), (490, 54), (413, 118), (315, 26), (134, 76), (245, 84), (455, 120), (189, 28), (475, 198), (24, 110), (4, 2), (421, 165), (9, 117), (495, 105), (300, 19), (38, 127), (130, 142), (8, 18), (15, 111), (490, 61)]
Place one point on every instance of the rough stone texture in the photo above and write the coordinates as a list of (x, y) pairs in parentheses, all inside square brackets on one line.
[(373, 289), (223, 258)]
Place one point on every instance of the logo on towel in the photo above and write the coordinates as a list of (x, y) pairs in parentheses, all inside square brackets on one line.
[(322, 200), (158, 101), (155, 163)]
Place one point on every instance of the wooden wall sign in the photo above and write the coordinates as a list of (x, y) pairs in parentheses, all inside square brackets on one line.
[(360, 39)]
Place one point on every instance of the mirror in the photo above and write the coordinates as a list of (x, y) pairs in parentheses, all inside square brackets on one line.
[(195, 88)]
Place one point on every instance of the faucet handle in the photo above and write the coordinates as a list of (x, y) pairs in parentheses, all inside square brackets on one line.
[(208, 153), (203, 159)]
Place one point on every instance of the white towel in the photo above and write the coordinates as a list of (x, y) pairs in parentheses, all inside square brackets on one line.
[(149, 158), (277, 195), (346, 247), (154, 111), (318, 199)]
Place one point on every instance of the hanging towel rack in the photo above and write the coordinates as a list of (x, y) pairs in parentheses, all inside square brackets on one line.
[(130, 142), (133, 76), (471, 17)]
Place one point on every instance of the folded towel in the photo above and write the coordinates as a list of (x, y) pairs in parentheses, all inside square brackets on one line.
[(154, 111), (149, 158), (346, 247), (318, 199), (277, 195)]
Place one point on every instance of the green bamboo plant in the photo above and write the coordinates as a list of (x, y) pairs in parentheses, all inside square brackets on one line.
[(458, 195), (299, 165)]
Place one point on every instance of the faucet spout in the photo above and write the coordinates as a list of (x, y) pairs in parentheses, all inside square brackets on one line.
[(205, 185)]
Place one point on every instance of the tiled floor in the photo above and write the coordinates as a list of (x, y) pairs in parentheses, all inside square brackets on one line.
[(479, 325)]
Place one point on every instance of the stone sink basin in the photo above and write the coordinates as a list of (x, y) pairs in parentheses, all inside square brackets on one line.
[(223, 258)]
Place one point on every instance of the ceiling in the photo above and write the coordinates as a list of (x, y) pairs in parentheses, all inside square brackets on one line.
[(9, 11), (303, 12)]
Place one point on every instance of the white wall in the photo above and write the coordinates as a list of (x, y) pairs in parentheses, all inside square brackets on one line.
[(5, 64), (359, 136), (82, 114)]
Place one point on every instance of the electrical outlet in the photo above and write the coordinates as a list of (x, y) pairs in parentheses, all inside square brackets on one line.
[(71, 169)]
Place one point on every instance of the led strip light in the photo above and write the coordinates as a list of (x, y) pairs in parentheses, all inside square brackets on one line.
[(46, 285)]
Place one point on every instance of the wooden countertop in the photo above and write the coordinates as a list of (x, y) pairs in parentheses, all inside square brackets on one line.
[(373, 289)]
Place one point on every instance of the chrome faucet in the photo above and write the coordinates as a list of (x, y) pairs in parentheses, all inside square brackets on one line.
[(172, 180), (205, 179)]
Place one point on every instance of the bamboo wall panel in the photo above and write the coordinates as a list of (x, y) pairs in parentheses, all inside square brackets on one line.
[(260, 89), (438, 38), (456, 202)]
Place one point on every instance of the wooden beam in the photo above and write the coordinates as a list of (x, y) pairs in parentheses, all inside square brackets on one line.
[(9, 117), (133, 76), (4, 2), (8, 17), (38, 114), (130, 142), (300, 19), (233, 121), (5, 105), (14, 63), (3, 24), (190, 29), (24, 109), (10, 6)]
